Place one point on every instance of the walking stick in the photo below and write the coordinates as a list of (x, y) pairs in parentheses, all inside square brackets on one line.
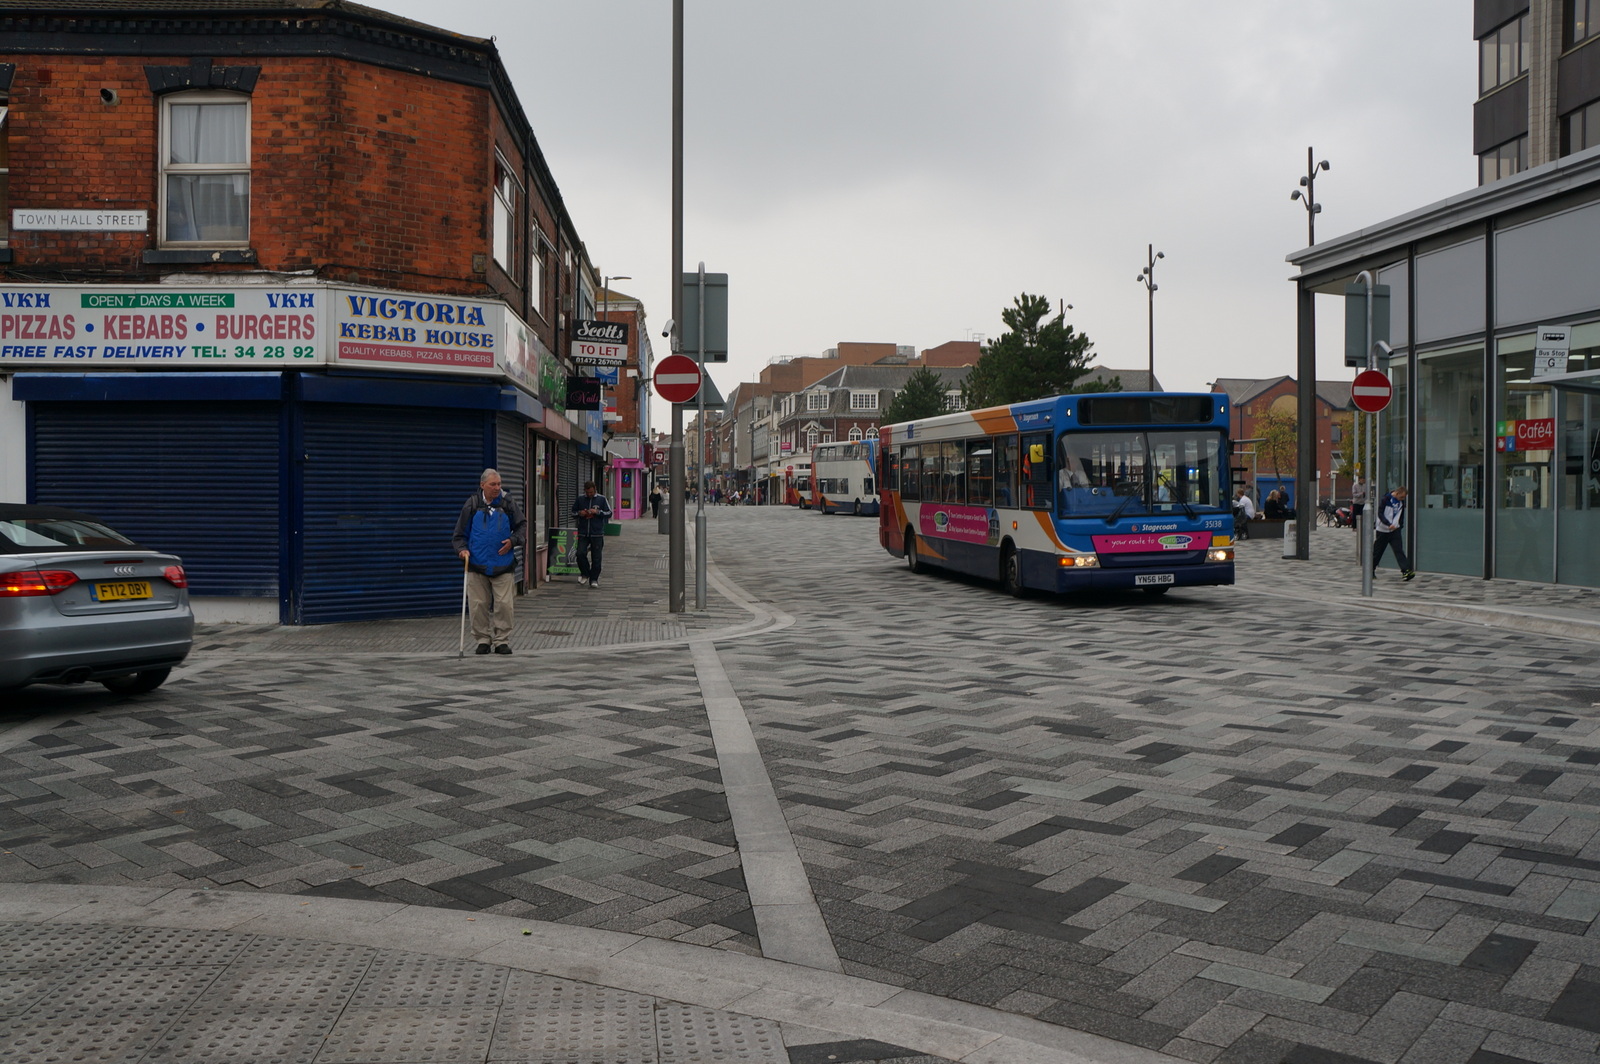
[(461, 647)]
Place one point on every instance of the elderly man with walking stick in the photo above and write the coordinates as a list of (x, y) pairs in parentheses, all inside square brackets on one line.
[(488, 531)]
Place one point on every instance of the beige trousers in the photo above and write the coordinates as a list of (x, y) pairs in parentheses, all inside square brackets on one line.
[(489, 602)]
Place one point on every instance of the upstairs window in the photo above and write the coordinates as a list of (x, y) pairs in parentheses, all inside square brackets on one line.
[(1503, 161), (1581, 128), (863, 400), (5, 171), (854, 433), (205, 171), (1583, 21), (536, 271), (1503, 55), (816, 401), (507, 202)]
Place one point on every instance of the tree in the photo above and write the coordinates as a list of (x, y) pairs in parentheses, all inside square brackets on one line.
[(1280, 440), (1036, 358), (922, 396)]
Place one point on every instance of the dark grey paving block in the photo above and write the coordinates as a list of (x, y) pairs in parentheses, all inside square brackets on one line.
[(1500, 954), (1578, 1006), (1210, 869)]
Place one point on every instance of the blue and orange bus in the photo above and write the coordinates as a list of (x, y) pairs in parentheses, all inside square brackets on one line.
[(844, 478), (1102, 490)]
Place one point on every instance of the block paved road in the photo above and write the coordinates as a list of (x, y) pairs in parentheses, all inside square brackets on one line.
[(1237, 824)]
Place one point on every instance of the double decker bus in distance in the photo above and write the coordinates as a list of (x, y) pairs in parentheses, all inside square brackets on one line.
[(1100, 490), (797, 482), (845, 478)]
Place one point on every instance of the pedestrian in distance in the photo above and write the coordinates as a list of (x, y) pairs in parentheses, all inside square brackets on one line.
[(592, 511), (1391, 519), (489, 530), (1358, 500), (655, 502)]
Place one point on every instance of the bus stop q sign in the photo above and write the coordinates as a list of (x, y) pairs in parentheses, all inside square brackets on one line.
[(1371, 391), (677, 378)]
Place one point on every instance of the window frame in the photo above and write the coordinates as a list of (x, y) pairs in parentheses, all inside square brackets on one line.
[(863, 400), (1492, 49), (166, 168), (5, 170), (538, 262), (511, 211), (816, 402), (1579, 12)]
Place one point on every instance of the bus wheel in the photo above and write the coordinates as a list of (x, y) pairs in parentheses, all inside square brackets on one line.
[(913, 562), (1011, 574)]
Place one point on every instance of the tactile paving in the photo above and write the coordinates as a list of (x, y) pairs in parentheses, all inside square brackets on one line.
[(31, 946), (95, 992), (259, 1035), (689, 1034), (104, 1038), (401, 1036), (414, 981), (170, 945), (19, 990), (552, 1021)]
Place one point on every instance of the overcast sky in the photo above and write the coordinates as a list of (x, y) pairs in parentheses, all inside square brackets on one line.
[(899, 170)]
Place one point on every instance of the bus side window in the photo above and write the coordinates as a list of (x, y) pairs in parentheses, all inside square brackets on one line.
[(1038, 478), (1005, 471), (891, 470), (910, 461), (980, 472)]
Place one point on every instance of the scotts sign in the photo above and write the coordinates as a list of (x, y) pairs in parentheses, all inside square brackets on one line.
[(1531, 434), (600, 343)]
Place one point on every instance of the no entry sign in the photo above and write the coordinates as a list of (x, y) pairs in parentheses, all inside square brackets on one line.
[(1371, 391), (677, 378)]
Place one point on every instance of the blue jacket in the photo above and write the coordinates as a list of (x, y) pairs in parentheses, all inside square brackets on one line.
[(596, 525), (483, 526)]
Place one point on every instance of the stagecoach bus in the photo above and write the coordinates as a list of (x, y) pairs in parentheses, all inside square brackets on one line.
[(1103, 490), (845, 478), (797, 482)]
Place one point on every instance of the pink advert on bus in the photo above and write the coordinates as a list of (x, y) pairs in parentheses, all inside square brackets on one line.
[(1149, 542), (970, 524)]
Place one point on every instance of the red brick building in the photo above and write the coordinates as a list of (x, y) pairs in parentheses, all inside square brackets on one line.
[(318, 239), (1250, 401)]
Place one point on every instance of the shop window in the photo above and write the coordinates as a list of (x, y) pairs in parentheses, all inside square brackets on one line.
[(1581, 128), (1448, 500), (205, 171), (507, 204), (1503, 55), (1524, 445)]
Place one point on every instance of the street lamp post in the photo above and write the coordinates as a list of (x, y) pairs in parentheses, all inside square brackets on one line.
[(1147, 277), (1309, 196)]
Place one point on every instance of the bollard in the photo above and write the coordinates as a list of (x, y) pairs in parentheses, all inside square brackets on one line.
[(1288, 539)]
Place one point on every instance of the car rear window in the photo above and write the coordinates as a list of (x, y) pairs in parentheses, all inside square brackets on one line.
[(21, 534)]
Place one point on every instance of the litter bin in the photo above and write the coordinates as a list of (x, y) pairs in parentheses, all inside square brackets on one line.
[(1288, 539), (662, 527)]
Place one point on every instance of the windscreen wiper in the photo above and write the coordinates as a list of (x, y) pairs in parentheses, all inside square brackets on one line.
[(1111, 518)]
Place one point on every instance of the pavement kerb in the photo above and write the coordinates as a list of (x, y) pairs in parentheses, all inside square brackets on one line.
[(843, 1005)]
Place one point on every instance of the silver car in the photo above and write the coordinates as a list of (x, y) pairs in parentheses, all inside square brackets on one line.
[(79, 601)]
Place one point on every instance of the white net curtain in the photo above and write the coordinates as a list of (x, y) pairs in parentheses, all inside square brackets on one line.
[(204, 202)]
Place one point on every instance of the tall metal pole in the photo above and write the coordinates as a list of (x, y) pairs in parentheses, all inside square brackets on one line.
[(1368, 516), (677, 528), (700, 454), (1150, 251)]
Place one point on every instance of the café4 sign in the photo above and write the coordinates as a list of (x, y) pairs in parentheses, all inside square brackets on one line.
[(600, 343)]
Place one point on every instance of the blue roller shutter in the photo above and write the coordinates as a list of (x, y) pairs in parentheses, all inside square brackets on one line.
[(511, 459), (382, 487), (197, 479)]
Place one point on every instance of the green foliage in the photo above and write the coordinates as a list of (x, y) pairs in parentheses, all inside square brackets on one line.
[(1036, 358), (1350, 462), (1280, 441), (922, 396)]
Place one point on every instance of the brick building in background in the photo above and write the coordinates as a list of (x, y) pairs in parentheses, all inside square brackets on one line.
[(304, 253)]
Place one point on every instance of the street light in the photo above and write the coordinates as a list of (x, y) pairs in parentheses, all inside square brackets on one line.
[(1147, 277), (1309, 197)]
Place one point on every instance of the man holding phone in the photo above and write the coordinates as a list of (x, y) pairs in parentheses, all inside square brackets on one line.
[(592, 511)]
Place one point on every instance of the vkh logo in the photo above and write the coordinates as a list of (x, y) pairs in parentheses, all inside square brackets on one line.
[(604, 332)]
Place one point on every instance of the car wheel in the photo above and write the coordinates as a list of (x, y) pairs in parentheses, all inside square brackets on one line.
[(136, 683), (1011, 574), (913, 562)]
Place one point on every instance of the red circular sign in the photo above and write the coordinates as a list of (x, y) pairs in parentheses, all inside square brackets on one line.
[(677, 378), (1371, 391)]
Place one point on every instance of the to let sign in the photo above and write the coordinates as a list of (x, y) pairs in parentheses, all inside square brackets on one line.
[(600, 343)]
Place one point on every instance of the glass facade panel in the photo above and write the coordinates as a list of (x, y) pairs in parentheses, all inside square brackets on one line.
[(1578, 490), (1524, 545), (1448, 500), (1392, 429)]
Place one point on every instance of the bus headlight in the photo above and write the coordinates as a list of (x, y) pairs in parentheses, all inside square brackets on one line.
[(1219, 554), (1080, 561)]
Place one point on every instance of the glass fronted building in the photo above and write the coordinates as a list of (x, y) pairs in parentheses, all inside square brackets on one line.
[(1503, 460)]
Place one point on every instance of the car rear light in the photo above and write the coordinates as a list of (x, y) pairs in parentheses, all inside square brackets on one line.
[(176, 576), (34, 582)]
